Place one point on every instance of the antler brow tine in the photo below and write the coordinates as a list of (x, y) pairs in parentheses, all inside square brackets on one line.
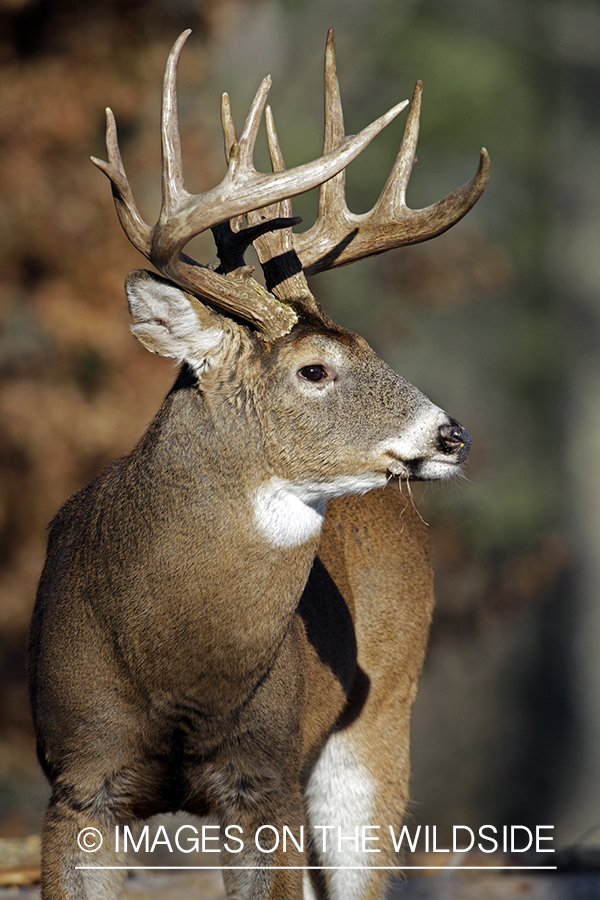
[(138, 232)]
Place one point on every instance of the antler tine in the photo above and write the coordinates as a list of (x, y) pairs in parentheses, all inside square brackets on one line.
[(232, 240), (229, 132), (432, 220), (138, 232), (230, 140), (275, 154), (252, 124), (334, 114), (173, 189), (275, 249), (394, 192), (276, 157), (334, 223), (332, 210)]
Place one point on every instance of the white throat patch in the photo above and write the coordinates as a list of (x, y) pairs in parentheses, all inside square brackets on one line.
[(289, 513), (283, 517)]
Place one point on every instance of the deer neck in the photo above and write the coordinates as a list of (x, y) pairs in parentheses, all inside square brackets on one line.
[(217, 571), (214, 441)]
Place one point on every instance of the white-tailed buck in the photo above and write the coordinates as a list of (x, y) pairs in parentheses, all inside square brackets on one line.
[(208, 635)]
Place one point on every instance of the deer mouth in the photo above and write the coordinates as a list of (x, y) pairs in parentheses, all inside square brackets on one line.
[(425, 468), (452, 446)]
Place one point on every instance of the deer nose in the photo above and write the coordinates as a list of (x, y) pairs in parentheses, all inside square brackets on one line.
[(453, 438)]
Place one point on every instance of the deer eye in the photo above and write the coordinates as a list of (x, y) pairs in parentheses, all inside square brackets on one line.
[(313, 373)]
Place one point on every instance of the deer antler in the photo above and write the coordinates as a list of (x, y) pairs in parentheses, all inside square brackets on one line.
[(243, 189), (339, 236)]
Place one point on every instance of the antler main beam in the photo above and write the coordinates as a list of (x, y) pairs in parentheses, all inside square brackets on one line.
[(339, 236), (243, 189)]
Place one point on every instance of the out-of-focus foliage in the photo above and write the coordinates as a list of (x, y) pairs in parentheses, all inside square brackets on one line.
[(477, 319), (76, 390)]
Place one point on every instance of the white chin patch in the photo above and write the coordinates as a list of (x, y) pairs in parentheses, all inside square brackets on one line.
[(289, 513), (438, 469)]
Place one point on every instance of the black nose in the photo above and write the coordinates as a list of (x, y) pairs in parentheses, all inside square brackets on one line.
[(454, 439)]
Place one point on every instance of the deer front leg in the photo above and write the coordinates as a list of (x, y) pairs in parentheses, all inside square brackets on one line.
[(262, 854), (65, 831), (361, 776)]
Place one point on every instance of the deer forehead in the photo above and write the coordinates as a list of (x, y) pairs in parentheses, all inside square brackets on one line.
[(339, 350)]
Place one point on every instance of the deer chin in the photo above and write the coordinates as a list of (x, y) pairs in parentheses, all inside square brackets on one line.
[(438, 468)]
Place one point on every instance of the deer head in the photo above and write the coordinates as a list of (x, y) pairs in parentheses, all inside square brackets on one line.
[(329, 416)]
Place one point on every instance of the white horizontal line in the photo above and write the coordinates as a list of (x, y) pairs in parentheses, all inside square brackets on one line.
[(318, 868)]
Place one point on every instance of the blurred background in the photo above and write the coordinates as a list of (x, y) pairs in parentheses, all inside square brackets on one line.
[(498, 321)]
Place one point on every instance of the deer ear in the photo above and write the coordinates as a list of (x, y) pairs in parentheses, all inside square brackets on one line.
[(171, 322)]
